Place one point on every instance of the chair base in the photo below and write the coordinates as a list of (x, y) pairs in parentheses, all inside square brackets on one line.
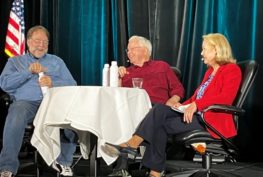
[(202, 173)]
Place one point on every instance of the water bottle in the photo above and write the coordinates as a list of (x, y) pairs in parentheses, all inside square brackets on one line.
[(106, 75), (114, 74), (44, 89)]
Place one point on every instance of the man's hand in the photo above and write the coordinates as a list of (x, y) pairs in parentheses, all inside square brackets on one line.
[(122, 71), (36, 68), (173, 101), (45, 81)]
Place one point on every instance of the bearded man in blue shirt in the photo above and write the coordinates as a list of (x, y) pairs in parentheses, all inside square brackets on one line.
[(20, 79)]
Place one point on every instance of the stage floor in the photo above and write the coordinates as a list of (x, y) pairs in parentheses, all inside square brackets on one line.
[(81, 169), (252, 169)]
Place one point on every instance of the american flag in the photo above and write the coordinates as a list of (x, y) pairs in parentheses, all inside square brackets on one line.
[(15, 37)]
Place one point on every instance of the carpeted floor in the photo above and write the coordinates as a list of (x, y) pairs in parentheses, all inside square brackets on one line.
[(81, 169), (248, 169)]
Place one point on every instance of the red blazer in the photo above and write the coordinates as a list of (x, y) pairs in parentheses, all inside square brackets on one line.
[(222, 90)]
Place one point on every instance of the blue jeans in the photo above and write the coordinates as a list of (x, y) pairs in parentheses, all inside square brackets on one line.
[(20, 113)]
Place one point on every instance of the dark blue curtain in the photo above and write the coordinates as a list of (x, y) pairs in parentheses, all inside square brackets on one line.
[(88, 33), (93, 40)]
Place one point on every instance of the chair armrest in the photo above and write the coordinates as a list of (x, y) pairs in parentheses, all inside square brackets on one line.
[(224, 109), (5, 99)]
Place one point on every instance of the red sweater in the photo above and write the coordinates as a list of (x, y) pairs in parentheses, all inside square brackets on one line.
[(222, 90), (159, 80)]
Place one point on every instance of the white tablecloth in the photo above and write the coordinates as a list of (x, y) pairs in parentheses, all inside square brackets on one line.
[(111, 113)]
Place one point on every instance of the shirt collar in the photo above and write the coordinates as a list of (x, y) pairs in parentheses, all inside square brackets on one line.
[(34, 56), (147, 63)]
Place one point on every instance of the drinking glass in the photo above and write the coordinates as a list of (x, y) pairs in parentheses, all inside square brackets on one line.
[(137, 82)]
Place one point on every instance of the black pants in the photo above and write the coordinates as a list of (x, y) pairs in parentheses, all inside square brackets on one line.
[(160, 122)]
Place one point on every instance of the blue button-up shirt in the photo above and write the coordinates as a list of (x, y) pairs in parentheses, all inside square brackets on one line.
[(21, 84)]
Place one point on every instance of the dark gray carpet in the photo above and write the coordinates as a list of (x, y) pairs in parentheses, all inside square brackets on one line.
[(242, 169), (81, 169)]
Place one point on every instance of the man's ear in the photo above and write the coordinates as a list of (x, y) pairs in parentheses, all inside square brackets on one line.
[(27, 42), (145, 51)]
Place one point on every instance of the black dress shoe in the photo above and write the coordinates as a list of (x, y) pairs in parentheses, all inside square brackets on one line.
[(116, 150)]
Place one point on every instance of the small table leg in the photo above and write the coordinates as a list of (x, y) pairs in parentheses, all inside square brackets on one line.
[(94, 165)]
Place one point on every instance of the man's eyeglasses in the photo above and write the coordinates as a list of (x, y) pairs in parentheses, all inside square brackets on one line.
[(128, 50), (38, 42)]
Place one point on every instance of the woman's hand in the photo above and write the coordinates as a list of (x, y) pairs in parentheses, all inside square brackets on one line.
[(189, 112)]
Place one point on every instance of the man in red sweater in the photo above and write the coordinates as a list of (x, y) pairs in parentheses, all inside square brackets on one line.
[(159, 80)]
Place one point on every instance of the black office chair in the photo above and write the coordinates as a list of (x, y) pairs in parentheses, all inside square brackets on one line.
[(177, 72), (223, 147), (27, 149), (4, 102)]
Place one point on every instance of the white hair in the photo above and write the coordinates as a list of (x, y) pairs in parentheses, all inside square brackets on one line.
[(143, 42)]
